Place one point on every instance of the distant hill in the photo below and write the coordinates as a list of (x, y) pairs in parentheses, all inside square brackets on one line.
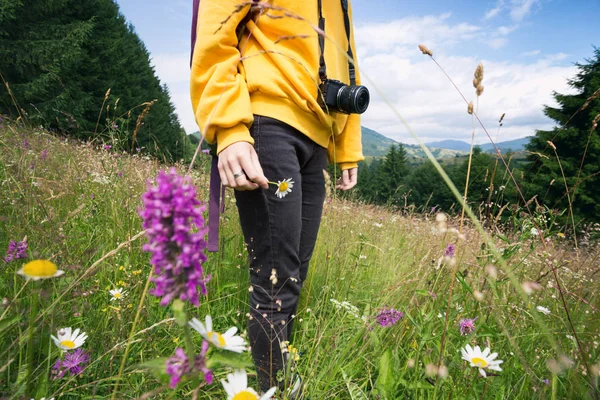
[(513, 145), (374, 143), (450, 144), (459, 145)]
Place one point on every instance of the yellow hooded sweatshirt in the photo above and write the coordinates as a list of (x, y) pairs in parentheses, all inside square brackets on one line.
[(272, 71)]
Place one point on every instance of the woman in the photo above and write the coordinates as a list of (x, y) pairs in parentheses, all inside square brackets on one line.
[(259, 90)]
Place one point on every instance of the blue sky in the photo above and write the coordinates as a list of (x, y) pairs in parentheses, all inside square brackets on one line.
[(527, 47)]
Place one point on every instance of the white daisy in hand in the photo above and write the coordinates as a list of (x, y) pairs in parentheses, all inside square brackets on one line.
[(481, 359), (117, 294), (236, 387), (284, 187), (228, 340), (40, 269), (69, 340)]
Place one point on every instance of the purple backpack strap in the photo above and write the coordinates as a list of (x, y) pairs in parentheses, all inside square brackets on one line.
[(217, 192)]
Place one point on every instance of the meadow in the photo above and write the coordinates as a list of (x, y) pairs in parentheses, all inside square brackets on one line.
[(390, 301)]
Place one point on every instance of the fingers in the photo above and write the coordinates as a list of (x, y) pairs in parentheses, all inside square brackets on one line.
[(239, 167), (348, 179)]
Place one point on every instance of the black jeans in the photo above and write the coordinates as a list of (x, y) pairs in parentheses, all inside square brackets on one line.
[(280, 234)]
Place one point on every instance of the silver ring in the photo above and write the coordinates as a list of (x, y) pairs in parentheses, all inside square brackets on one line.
[(241, 173)]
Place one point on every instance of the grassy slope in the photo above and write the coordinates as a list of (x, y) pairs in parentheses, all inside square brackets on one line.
[(80, 203)]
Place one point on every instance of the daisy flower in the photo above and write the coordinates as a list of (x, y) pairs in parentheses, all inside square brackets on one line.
[(284, 187), (117, 294), (69, 340), (236, 387), (40, 269), (543, 310), (481, 359), (228, 340)]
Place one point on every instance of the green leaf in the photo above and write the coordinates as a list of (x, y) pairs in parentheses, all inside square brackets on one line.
[(7, 323), (464, 283), (355, 392), (229, 359), (157, 367), (386, 380)]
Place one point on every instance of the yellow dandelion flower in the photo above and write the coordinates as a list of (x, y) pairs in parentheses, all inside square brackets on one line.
[(40, 269)]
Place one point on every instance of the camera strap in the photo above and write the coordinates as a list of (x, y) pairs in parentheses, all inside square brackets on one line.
[(322, 66)]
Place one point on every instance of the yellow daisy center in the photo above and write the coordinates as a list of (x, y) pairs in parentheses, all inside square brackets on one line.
[(117, 295), (217, 337), (283, 186), (245, 395), (69, 344), (40, 268), (480, 362)]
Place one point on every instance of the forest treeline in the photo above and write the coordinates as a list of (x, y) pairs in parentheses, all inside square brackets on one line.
[(77, 67)]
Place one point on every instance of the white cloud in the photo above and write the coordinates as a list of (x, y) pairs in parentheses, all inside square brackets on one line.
[(531, 53), (520, 9), (433, 108)]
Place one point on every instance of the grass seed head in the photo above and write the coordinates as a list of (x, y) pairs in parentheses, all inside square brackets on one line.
[(425, 50), (470, 108)]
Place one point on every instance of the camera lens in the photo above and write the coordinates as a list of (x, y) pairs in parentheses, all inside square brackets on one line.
[(353, 99)]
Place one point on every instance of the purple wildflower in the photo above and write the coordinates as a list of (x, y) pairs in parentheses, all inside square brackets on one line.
[(107, 147), (546, 381), (178, 365), (205, 151), (44, 154), (389, 317), (73, 362), (467, 325), (449, 252), (170, 212), (115, 126), (26, 145), (16, 250), (432, 294)]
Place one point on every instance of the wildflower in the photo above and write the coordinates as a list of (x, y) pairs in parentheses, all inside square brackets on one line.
[(449, 251), (467, 325), (107, 147), (16, 250), (40, 269), (117, 294), (236, 387), (178, 365), (43, 398), (73, 362), (534, 232), (389, 317), (482, 360), (560, 235), (44, 154), (284, 187), (228, 340), (68, 340), (170, 211), (543, 310)]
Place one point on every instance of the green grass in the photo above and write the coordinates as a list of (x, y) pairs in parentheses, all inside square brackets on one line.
[(78, 208)]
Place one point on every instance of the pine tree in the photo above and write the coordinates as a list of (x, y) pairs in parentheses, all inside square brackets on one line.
[(60, 57), (391, 175), (577, 144)]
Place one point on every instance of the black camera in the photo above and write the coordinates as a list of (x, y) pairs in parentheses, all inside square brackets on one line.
[(342, 98)]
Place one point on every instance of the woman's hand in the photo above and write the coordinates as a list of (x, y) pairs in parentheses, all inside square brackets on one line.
[(239, 167), (348, 179)]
